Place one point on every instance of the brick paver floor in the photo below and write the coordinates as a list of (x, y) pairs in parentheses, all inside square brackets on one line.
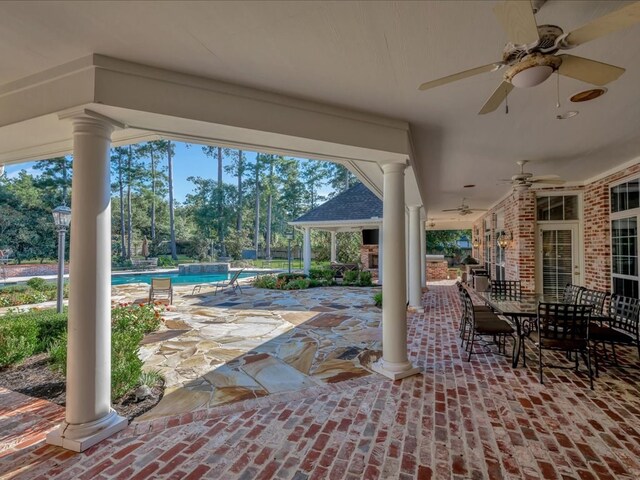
[(458, 420)]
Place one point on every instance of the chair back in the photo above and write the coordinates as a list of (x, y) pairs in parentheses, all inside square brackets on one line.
[(509, 289), (623, 314), (234, 277), (563, 324), (161, 283), (571, 294), (594, 298)]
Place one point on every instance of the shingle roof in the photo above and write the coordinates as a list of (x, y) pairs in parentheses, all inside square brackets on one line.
[(357, 203)]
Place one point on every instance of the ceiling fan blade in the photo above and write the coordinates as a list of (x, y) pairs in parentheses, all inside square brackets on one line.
[(496, 98), (459, 76), (517, 19), (452, 210), (609, 23), (550, 181), (590, 71)]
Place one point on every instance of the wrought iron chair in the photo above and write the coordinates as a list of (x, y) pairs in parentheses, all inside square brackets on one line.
[(594, 298), (619, 327), (571, 294), (509, 289), (464, 319), (485, 324), (563, 327)]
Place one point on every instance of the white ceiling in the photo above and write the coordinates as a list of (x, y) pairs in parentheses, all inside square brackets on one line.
[(369, 56)]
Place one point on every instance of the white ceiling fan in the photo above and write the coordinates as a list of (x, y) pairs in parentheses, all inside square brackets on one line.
[(464, 209), (524, 180), (531, 57)]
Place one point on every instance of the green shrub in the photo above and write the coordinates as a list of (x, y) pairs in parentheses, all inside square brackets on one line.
[(13, 289), (166, 261), (291, 276), (298, 284), (37, 283), (365, 279), (350, 277), (377, 299), (266, 281), (126, 366), (58, 354), (141, 318), (151, 378), (321, 274), (28, 333)]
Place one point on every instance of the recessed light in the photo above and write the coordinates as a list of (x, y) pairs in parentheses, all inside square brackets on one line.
[(471, 185), (587, 95), (566, 115)]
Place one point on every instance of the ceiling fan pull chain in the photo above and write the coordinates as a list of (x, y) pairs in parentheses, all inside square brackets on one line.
[(558, 88)]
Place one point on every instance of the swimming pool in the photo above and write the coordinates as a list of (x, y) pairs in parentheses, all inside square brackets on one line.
[(176, 278)]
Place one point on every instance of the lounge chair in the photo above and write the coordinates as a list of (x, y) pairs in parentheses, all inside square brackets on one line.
[(232, 282), (161, 288)]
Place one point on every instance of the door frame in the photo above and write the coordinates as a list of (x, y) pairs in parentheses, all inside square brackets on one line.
[(577, 250)]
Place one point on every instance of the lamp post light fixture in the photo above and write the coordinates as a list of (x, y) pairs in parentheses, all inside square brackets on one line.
[(61, 220), (289, 236)]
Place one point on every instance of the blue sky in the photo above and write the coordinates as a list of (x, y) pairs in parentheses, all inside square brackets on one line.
[(188, 161)]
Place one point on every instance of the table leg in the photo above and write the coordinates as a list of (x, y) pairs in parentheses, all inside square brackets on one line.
[(518, 340)]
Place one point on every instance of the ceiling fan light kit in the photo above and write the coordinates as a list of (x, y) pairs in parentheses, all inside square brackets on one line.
[(530, 56), (567, 115)]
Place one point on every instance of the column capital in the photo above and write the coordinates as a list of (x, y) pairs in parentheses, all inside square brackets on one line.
[(393, 167), (87, 121), (414, 207)]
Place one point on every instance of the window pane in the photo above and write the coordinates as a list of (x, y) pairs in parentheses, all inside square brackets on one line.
[(543, 208), (614, 200), (571, 207), (625, 287), (634, 195), (555, 208)]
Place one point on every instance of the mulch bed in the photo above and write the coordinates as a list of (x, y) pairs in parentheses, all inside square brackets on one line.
[(34, 378)]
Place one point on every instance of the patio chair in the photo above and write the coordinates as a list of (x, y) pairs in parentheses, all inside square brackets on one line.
[(619, 327), (232, 282), (565, 328), (594, 298), (161, 288), (508, 289), (485, 324), (571, 294), (478, 309)]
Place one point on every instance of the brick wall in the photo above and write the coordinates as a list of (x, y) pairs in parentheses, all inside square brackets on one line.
[(438, 270), (32, 270), (520, 220)]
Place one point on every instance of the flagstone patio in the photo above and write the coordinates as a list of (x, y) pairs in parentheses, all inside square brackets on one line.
[(218, 349), (456, 420)]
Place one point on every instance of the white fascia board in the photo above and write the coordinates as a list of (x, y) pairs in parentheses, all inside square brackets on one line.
[(339, 223)]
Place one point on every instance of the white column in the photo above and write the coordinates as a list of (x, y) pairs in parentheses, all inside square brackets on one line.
[(306, 252), (394, 363), (415, 286), (423, 256), (333, 246), (406, 249), (89, 417), (380, 255)]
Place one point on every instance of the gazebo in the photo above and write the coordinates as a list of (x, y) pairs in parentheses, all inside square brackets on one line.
[(355, 209)]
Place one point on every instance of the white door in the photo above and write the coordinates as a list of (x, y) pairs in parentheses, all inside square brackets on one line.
[(558, 258)]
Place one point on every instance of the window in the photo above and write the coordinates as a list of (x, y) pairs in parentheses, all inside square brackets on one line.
[(557, 208), (625, 216), (487, 246)]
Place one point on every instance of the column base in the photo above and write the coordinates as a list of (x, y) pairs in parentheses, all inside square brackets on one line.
[(394, 371), (415, 309), (78, 438)]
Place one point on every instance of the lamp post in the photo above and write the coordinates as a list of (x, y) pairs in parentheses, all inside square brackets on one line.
[(61, 219), (289, 236)]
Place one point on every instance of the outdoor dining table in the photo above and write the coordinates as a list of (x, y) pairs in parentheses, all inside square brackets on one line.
[(519, 310)]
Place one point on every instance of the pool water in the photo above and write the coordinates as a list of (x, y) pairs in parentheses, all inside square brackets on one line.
[(176, 278)]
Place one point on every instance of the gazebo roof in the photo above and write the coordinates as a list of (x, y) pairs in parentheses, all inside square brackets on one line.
[(357, 206)]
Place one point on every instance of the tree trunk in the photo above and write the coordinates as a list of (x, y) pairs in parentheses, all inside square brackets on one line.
[(256, 233), (239, 218), (123, 245), (153, 196), (174, 253), (223, 249), (64, 180), (269, 210), (129, 214)]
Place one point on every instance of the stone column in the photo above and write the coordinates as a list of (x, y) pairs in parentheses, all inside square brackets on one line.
[(415, 285), (423, 256), (89, 416), (306, 252), (333, 246), (394, 363)]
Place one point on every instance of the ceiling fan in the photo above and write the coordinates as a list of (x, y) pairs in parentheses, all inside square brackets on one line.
[(524, 180), (531, 57), (464, 209)]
